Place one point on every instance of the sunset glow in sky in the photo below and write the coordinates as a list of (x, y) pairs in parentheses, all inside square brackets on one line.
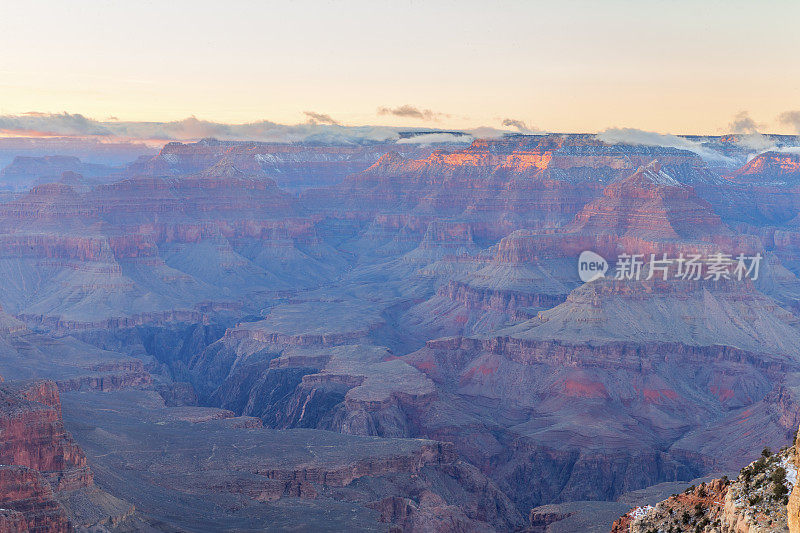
[(680, 66)]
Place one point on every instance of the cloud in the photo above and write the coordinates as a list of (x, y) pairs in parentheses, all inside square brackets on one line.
[(53, 124), (651, 138), (320, 118), (192, 128), (433, 138), (788, 149), (756, 142), (743, 123), (749, 143), (486, 132), (790, 118), (519, 125), (409, 111), (320, 128)]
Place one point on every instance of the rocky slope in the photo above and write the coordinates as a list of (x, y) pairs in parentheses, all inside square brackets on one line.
[(754, 502), (763, 191)]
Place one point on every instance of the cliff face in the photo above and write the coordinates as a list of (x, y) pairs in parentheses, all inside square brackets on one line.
[(764, 191), (69, 363), (608, 351), (613, 352), (650, 204), (572, 157), (645, 212), (616, 351), (207, 222), (34, 435), (43, 469), (29, 502), (497, 185)]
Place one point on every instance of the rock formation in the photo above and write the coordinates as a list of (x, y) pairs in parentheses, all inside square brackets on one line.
[(25, 171), (43, 473), (393, 335), (754, 502)]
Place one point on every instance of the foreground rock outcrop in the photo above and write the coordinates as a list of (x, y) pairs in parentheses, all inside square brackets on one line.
[(755, 502)]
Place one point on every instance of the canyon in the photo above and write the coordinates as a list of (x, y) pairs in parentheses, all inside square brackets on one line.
[(389, 336)]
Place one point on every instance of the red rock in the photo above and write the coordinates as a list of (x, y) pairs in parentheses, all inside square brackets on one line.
[(13, 521), (34, 436), (766, 167), (29, 502), (45, 482)]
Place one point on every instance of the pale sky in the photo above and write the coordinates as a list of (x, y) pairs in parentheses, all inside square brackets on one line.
[(678, 66)]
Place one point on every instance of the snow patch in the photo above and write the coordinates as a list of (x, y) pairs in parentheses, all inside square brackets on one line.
[(659, 177), (641, 512), (791, 471)]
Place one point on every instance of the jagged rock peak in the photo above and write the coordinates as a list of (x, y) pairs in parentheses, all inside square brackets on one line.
[(224, 168), (650, 175)]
